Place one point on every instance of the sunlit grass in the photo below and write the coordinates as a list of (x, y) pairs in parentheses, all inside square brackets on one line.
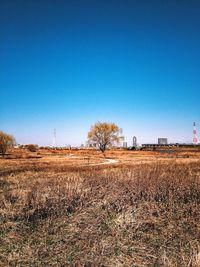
[(131, 215)]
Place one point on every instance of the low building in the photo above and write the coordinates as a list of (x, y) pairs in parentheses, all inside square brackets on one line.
[(91, 144), (162, 141)]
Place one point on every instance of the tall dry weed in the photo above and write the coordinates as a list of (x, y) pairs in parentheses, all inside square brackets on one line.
[(143, 215)]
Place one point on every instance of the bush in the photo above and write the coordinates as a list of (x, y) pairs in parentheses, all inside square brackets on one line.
[(32, 148)]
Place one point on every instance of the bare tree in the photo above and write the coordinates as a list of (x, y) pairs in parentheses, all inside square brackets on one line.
[(105, 134), (6, 141)]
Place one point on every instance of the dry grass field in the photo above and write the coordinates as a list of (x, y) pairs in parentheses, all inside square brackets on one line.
[(77, 208)]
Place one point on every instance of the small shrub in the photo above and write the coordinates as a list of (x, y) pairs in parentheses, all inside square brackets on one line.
[(32, 148)]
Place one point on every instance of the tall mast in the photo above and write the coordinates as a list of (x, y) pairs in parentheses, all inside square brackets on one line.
[(195, 137)]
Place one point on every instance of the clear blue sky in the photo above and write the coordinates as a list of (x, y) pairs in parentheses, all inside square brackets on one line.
[(67, 64)]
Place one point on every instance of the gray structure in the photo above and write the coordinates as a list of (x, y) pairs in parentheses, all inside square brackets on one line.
[(125, 144), (162, 141), (54, 138), (134, 141)]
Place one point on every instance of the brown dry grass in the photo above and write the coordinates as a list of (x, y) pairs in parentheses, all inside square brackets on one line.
[(132, 215)]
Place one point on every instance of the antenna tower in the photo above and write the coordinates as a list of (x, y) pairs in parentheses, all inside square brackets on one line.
[(195, 138)]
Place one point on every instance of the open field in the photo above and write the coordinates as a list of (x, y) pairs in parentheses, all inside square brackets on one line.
[(77, 208)]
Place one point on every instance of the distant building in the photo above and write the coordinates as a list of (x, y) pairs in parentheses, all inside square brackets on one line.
[(125, 144), (91, 144), (134, 141), (162, 141)]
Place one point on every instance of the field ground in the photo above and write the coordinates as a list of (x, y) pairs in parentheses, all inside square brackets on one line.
[(79, 208), (86, 158)]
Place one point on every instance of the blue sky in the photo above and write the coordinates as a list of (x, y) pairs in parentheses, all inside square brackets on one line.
[(67, 64)]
